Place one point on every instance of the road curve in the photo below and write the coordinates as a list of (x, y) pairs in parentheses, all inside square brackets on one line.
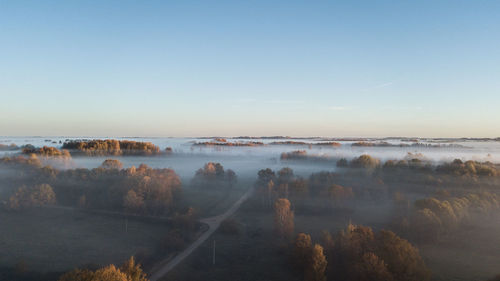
[(213, 223)]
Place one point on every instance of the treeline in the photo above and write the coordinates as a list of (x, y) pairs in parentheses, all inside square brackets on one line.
[(320, 191), (47, 151), (358, 254), (416, 144), (303, 155), (112, 147), (298, 143), (9, 147), (33, 196), (21, 162), (141, 190), (455, 168), (129, 271), (213, 175), (432, 218), (353, 254), (414, 162), (223, 142)]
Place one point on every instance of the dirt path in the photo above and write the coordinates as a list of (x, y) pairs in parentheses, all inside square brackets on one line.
[(213, 223)]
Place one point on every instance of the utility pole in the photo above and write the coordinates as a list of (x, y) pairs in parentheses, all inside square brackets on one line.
[(213, 257)]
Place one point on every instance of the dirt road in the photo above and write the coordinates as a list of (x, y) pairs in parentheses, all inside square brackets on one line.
[(213, 223)]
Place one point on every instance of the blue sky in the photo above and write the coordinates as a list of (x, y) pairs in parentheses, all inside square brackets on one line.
[(197, 68)]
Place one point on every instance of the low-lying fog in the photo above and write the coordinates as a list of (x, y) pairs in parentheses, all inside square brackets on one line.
[(246, 161)]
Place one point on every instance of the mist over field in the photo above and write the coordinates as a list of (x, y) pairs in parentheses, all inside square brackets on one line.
[(246, 161), (358, 207)]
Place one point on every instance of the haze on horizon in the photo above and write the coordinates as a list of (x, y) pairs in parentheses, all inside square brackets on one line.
[(197, 68)]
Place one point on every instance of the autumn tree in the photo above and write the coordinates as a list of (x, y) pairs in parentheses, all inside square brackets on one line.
[(35, 196), (133, 270), (301, 252), (425, 225), (371, 268), (357, 253), (112, 164), (365, 161), (402, 258), (129, 271), (133, 202), (283, 218), (316, 269), (213, 175)]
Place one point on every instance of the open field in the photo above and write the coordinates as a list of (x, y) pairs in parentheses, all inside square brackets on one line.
[(473, 254), (211, 202), (59, 240)]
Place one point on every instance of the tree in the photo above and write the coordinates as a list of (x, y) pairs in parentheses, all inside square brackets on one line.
[(129, 271), (283, 218), (317, 265), (403, 259), (338, 194), (285, 175), (359, 254), (365, 161), (342, 163), (425, 225), (302, 250), (42, 195), (78, 275), (35, 196), (270, 192), (112, 164), (133, 270), (110, 273), (231, 177), (133, 202), (371, 268)]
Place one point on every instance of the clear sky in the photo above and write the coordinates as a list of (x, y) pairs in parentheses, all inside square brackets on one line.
[(198, 68)]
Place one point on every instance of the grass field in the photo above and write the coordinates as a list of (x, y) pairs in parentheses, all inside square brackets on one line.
[(472, 255), (59, 240), (211, 202)]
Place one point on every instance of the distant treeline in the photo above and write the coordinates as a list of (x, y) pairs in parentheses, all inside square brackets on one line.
[(303, 155), (224, 142), (112, 147), (14, 147), (416, 144), (10, 147), (46, 151), (414, 162)]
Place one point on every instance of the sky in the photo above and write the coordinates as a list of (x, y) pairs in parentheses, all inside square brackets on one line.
[(229, 68)]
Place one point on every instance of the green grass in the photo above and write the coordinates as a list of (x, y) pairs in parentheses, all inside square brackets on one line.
[(59, 240)]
